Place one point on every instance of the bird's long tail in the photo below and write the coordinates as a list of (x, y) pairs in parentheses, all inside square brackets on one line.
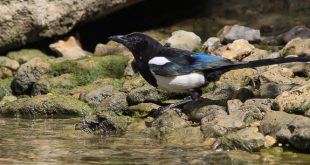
[(265, 62)]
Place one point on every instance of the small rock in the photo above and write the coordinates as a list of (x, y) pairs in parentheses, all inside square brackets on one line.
[(209, 141), (235, 32), (287, 128), (116, 103), (28, 74), (170, 119), (272, 90), (269, 141), (111, 48), (295, 101), (263, 105), (307, 113), (70, 49), (301, 139), (237, 78), (143, 109), (25, 55), (298, 68), (244, 93), (259, 54), (279, 75), (133, 83), (248, 139), (184, 40), (188, 136), (6, 99), (57, 85), (44, 105), (143, 94), (94, 97), (211, 45), (5, 73), (233, 105), (196, 110), (9, 63), (237, 50), (296, 32), (296, 46)]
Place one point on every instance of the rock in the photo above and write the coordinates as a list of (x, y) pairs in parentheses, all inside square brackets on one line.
[(269, 141), (248, 139), (296, 32), (237, 50), (133, 83), (272, 90), (236, 32), (187, 136), (143, 94), (221, 93), (143, 109), (28, 74), (259, 54), (184, 40), (298, 68), (237, 78), (263, 105), (295, 101), (56, 85), (6, 99), (111, 48), (11, 64), (307, 113), (25, 22), (5, 87), (301, 139), (286, 127), (211, 45), (5, 73), (25, 55), (90, 69), (171, 120), (221, 125), (46, 106), (95, 96), (244, 93), (116, 103), (279, 75), (196, 110), (296, 46), (70, 49)]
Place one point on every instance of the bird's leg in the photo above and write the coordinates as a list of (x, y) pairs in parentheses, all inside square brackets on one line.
[(195, 94)]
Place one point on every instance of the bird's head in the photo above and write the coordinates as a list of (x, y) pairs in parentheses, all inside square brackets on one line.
[(142, 46)]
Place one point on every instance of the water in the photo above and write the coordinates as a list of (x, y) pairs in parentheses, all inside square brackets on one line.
[(54, 141)]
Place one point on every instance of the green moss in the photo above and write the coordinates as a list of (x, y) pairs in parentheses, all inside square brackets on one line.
[(46, 106), (5, 87), (208, 88), (289, 51), (24, 55), (89, 69)]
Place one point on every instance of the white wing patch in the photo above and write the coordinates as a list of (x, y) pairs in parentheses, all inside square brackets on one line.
[(159, 61), (182, 83)]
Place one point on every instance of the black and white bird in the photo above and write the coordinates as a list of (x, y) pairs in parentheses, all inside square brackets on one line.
[(182, 71)]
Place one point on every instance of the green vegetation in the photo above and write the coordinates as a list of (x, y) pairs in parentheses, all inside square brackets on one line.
[(5, 87), (24, 55), (89, 69)]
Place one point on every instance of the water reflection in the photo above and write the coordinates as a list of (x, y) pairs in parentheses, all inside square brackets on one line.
[(54, 141)]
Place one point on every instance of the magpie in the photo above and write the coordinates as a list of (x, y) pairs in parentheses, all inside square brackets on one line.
[(182, 71)]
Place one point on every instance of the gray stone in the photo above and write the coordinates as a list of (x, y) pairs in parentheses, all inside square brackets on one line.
[(235, 32), (211, 44), (184, 40), (287, 128), (248, 139), (24, 22), (296, 32), (143, 94), (28, 74), (95, 96), (116, 103), (9, 63), (272, 90)]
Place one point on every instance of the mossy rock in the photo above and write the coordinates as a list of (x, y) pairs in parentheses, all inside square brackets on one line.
[(46, 106), (5, 87), (89, 69), (116, 83), (25, 55), (56, 85)]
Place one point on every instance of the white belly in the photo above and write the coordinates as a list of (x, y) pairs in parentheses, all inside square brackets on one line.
[(182, 83)]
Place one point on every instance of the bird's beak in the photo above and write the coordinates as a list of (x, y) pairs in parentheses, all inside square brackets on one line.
[(118, 38)]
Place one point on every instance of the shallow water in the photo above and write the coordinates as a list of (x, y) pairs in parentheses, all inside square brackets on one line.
[(54, 141)]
